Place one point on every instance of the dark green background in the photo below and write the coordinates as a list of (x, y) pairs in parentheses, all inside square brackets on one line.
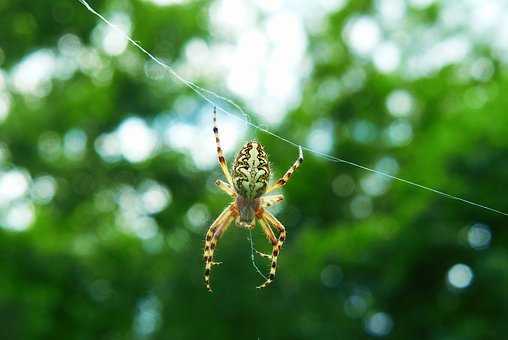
[(394, 261)]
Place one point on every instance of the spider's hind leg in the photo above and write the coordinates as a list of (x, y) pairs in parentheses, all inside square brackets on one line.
[(266, 220), (218, 227), (269, 235)]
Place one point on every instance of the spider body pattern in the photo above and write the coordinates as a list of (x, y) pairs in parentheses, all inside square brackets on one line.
[(248, 185), (250, 175)]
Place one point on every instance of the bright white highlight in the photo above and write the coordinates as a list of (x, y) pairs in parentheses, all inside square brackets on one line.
[(137, 140), (266, 62), (109, 39), (362, 34), (333, 5), (391, 11), (155, 197), (460, 276), (19, 216), (133, 140), (33, 74), (13, 185), (387, 57)]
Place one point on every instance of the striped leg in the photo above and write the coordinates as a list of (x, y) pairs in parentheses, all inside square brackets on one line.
[(277, 246), (226, 188), (284, 179), (269, 235), (271, 200), (220, 153), (218, 227)]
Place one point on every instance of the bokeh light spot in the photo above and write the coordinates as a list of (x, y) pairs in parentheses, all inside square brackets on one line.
[(399, 133), (387, 57), (361, 206), (343, 185), (362, 34), (331, 276), (147, 317), (74, 144), (198, 215), (33, 74), (137, 140), (356, 306), (379, 324), (43, 189), (479, 236), (460, 276), (321, 136), (13, 185), (20, 216), (155, 197), (400, 103)]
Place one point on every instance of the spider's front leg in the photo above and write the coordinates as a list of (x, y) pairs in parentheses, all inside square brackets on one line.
[(228, 189), (284, 179), (266, 220), (218, 227), (220, 153), (271, 200)]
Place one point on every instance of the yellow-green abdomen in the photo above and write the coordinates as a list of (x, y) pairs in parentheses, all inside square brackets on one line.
[(251, 171)]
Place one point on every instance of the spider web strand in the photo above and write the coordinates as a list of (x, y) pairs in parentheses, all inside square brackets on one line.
[(205, 93), (252, 256)]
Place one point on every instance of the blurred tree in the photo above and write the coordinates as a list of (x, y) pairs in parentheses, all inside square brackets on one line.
[(107, 166)]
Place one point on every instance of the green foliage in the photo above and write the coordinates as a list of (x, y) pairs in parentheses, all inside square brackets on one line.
[(351, 259)]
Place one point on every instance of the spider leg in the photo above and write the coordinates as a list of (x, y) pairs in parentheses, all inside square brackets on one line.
[(284, 179), (271, 200), (218, 227), (220, 153), (277, 246), (226, 188), (269, 235)]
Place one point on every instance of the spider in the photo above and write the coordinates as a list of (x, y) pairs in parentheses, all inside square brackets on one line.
[(247, 185)]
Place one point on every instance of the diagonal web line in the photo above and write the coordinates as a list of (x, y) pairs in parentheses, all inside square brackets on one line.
[(205, 95), (252, 256)]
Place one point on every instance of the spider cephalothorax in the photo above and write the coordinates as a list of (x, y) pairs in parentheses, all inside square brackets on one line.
[(248, 186)]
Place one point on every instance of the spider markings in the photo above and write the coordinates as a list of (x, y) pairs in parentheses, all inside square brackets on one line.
[(247, 187), (251, 171)]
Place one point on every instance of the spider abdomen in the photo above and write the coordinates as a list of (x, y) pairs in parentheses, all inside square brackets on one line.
[(251, 171)]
